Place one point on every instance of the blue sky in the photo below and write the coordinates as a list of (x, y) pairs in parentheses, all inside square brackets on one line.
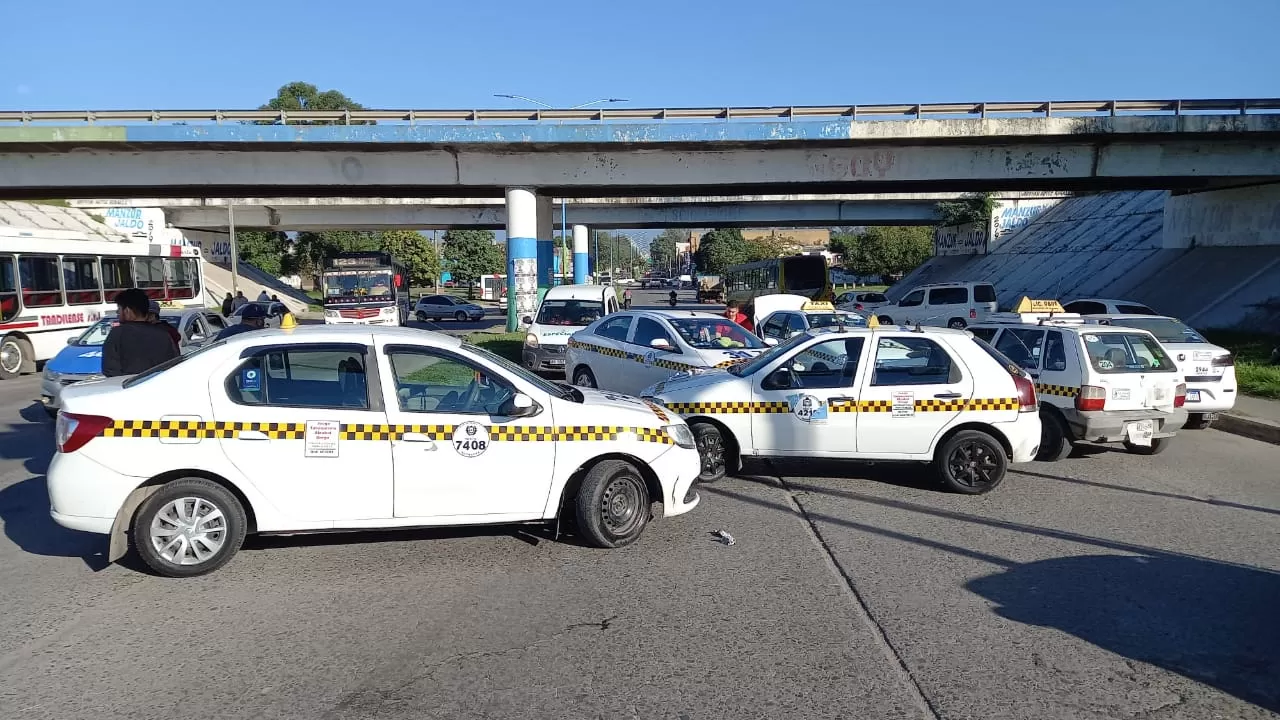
[(232, 54)]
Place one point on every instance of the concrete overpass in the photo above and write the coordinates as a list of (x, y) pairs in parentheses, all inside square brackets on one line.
[(606, 213)]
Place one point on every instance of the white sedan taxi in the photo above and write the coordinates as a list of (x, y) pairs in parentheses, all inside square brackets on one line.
[(628, 351), (329, 428), (778, 317), (877, 393)]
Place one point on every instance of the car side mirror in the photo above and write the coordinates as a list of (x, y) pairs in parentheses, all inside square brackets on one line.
[(71, 341), (779, 379), (196, 338), (526, 320), (660, 344), (770, 341), (519, 405)]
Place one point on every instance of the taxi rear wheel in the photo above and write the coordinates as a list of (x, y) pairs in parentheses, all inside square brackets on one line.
[(711, 449), (612, 506), (583, 377), (1157, 446), (971, 462), (1055, 439), (192, 526)]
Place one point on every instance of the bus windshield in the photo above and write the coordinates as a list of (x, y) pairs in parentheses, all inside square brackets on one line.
[(349, 284)]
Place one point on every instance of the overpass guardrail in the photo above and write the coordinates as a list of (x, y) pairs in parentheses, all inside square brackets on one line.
[(784, 113)]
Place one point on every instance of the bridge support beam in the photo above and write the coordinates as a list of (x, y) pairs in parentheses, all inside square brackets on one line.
[(581, 268), (522, 255), (546, 244)]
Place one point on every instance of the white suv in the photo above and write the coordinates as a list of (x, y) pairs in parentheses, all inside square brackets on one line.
[(953, 305)]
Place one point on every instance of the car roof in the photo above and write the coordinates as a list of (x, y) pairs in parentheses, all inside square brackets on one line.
[(676, 314), (1085, 327), (576, 292), (955, 283), (1110, 300), (343, 334), (1132, 316)]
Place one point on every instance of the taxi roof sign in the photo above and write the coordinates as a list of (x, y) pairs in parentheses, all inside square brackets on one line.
[(816, 305), (1027, 305), (873, 322)]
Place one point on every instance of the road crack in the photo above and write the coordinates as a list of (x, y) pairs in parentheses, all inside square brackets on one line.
[(896, 662)]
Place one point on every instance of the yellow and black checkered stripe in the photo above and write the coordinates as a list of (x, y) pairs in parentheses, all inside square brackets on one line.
[(842, 406), (657, 410), (379, 432), (657, 361), (1059, 390)]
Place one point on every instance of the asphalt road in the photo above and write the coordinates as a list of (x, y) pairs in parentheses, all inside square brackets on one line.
[(1104, 586)]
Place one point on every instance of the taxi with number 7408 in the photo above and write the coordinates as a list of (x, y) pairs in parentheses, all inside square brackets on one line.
[(876, 393), (328, 428)]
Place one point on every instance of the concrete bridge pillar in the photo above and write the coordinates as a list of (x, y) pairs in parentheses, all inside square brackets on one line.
[(581, 268), (546, 244), (522, 255)]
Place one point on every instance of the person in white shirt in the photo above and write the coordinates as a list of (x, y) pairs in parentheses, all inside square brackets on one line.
[(264, 297)]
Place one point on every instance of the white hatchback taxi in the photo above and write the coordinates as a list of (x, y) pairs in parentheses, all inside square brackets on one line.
[(877, 393), (629, 351), (326, 428)]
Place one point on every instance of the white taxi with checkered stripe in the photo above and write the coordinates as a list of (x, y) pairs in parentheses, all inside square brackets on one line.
[(628, 351), (876, 393), (329, 428)]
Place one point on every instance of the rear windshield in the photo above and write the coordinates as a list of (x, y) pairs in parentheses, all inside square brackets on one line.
[(578, 313), (1166, 330), (822, 320), (1122, 352), (1134, 309), (874, 297), (984, 293), (148, 374)]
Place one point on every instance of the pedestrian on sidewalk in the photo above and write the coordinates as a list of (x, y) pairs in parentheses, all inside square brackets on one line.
[(228, 304), (263, 296), (626, 299), (239, 301), (135, 345)]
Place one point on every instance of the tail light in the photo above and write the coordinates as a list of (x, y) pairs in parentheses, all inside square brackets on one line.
[(1091, 397), (1180, 395), (73, 431), (973, 314), (1227, 360), (1026, 393), (857, 306)]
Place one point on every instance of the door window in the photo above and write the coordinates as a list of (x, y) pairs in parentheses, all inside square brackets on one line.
[(984, 293), (615, 328), (438, 383), (1085, 307), (117, 275), (903, 360), (949, 296), (1055, 352), (8, 289), (40, 284), (984, 333), (194, 327), (773, 327), (649, 330), (912, 299), (830, 364), (1022, 346), (80, 277), (215, 323), (795, 324), (302, 376)]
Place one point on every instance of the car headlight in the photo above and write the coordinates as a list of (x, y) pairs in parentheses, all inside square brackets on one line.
[(681, 434), (331, 313), (531, 341), (95, 377), (49, 374)]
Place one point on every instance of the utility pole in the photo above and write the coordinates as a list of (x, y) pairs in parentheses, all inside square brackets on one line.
[(435, 239), (231, 230)]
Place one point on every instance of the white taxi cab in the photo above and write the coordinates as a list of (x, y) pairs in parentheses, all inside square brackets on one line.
[(629, 351), (876, 393), (1097, 383), (1208, 370), (328, 428), (778, 317)]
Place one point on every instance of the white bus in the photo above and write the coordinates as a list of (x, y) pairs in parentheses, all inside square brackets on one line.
[(54, 284)]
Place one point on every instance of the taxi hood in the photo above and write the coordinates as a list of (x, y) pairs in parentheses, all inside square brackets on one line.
[(679, 386), (615, 402), (77, 360)]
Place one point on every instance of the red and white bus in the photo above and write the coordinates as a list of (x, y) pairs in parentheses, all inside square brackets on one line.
[(54, 284)]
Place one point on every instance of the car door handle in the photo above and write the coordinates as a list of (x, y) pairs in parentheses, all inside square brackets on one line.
[(252, 435), (948, 396), (426, 442)]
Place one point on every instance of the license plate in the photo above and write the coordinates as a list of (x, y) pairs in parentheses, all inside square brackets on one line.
[(1193, 396), (1139, 433), (556, 363)]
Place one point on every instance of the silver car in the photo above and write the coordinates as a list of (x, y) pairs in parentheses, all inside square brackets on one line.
[(438, 307)]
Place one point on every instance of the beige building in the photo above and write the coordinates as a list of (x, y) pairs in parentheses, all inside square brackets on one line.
[(798, 239)]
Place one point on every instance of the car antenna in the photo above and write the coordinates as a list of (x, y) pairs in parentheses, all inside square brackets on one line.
[(918, 328)]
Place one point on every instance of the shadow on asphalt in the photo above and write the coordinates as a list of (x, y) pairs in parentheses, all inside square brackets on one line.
[(1152, 493), (24, 505), (1210, 621)]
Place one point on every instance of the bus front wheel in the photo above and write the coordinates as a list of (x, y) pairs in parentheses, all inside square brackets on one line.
[(15, 355)]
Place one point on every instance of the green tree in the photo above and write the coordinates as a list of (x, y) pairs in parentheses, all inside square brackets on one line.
[(468, 254), (769, 246), (884, 251), (311, 248), (305, 96), (975, 207), (610, 252), (417, 252), (265, 250), (719, 249), (662, 249)]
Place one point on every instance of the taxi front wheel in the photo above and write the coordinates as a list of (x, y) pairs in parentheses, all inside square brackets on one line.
[(971, 462), (612, 506), (190, 527), (711, 449)]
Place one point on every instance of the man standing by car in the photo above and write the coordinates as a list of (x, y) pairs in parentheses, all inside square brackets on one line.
[(135, 345), (153, 317), (254, 317)]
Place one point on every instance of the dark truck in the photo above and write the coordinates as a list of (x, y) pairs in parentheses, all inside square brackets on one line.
[(710, 289)]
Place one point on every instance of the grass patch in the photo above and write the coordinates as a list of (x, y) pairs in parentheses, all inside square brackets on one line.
[(507, 345), (1254, 371)]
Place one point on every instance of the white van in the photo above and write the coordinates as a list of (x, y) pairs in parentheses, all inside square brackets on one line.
[(564, 310), (954, 305)]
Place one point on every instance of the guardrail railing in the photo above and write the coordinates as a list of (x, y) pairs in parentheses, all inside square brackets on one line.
[(856, 112)]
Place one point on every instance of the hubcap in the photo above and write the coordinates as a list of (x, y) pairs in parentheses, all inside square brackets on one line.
[(188, 531), (11, 357), (973, 464), (711, 451), (584, 380), (620, 505)]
